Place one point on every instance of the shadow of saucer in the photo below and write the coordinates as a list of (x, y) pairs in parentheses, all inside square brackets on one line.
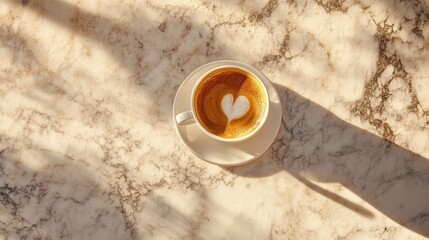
[(314, 144)]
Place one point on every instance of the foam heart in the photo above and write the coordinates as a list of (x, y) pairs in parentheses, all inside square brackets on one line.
[(237, 109)]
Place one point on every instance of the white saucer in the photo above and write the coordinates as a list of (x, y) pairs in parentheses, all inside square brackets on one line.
[(223, 153)]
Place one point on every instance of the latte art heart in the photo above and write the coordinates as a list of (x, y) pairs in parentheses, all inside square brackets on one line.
[(229, 102), (234, 110)]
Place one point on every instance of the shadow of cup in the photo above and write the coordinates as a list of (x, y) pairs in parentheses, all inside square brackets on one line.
[(315, 144)]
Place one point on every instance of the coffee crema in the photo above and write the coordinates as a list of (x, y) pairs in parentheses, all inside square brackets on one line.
[(230, 88)]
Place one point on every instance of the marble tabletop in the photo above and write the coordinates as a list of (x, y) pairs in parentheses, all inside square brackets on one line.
[(88, 148)]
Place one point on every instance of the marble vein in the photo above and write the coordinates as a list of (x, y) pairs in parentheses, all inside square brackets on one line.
[(88, 148)]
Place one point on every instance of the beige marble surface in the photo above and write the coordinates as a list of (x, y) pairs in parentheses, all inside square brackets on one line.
[(88, 148)]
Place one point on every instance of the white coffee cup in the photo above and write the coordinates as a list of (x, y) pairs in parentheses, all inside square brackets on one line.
[(190, 117)]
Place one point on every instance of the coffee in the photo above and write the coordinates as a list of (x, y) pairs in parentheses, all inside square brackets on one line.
[(230, 102)]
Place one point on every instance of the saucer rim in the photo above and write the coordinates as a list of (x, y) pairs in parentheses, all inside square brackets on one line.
[(190, 148)]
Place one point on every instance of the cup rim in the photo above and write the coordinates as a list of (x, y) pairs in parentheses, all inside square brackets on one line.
[(263, 119)]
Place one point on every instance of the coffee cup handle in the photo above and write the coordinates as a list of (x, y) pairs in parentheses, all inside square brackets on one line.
[(185, 118)]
